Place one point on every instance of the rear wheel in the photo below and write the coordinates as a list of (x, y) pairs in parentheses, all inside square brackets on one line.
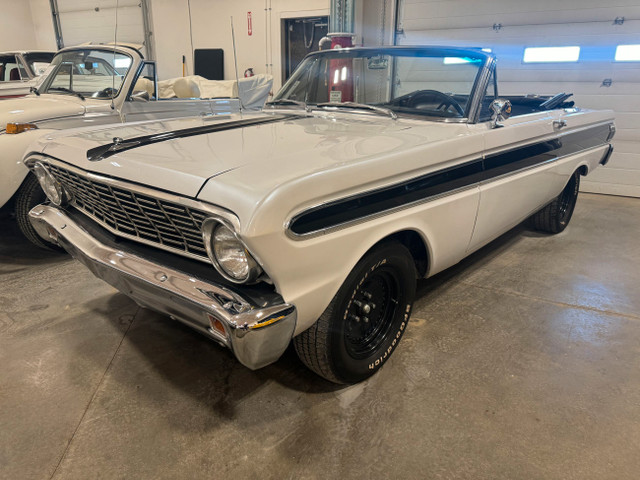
[(28, 196), (365, 321), (555, 217)]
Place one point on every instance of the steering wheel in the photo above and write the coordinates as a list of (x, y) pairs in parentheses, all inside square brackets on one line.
[(416, 99), (105, 92)]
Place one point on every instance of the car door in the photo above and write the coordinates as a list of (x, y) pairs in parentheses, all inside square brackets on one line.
[(518, 172), (13, 77)]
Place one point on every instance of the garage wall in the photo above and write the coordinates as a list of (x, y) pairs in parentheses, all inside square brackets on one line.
[(523, 23), (43, 25), (16, 30), (212, 29), (26, 25)]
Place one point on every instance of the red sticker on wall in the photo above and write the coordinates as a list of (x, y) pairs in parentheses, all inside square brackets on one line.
[(249, 24)]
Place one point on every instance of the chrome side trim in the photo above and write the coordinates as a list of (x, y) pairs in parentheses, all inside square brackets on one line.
[(306, 236), (257, 335), (538, 165), (295, 236)]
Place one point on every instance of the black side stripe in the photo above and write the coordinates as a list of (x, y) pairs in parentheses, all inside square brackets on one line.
[(105, 151), (433, 184)]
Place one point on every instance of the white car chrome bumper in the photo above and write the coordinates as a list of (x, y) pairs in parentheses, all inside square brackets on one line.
[(257, 335)]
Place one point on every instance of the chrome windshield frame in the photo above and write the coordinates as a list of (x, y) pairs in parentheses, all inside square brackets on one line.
[(475, 95)]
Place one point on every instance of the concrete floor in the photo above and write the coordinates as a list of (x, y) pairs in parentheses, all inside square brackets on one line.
[(521, 362)]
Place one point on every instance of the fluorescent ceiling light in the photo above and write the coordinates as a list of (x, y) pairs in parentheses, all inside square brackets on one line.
[(458, 60), (551, 54), (628, 53)]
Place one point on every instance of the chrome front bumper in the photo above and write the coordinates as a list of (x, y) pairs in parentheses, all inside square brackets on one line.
[(256, 335)]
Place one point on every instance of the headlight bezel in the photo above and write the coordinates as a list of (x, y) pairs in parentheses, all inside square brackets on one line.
[(50, 185), (209, 227)]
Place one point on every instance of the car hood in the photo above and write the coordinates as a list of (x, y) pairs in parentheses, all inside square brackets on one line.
[(37, 108), (238, 165)]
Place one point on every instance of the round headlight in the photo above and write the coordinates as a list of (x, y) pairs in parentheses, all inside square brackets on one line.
[(51, 187), (228, 254)]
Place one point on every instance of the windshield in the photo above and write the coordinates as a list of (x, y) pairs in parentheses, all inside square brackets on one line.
[(427, 81), (38, 61), (87, 73)]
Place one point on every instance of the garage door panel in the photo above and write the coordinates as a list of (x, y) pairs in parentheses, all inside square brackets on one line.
[(628, 121), (626, 134), (429, 9), (507, 75), (626, 146), (625, 161), (615, 175), (85, 21), (585, 23), (542, 33), (619, 103), (544, 87), (86, 5)]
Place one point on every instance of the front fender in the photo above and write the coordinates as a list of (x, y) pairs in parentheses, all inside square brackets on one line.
[(309, 272), (12, 150)]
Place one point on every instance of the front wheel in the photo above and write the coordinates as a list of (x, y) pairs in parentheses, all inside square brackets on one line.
[(365, 321), (555, 217), (29, 195)]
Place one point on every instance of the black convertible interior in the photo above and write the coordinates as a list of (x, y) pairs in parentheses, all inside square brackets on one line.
[(435, 103)]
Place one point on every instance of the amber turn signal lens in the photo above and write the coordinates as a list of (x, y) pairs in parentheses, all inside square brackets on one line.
[(216, 325), (13, 128)]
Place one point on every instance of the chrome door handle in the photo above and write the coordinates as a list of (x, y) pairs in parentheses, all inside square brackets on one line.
[(558, 124)]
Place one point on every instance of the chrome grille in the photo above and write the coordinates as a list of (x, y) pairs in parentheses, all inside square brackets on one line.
[(132, 214)]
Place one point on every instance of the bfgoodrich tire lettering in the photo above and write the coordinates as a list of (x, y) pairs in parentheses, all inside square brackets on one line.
[(365, 321)]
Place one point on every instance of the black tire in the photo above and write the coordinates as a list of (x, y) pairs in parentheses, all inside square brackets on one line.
[(28, 196), (365, 321), (555, 217)]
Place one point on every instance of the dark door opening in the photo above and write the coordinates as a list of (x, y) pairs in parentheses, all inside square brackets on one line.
[(302, 36)]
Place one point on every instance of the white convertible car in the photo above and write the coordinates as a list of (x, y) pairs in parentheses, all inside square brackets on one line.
[(102, 84), (312, 220), (21, 71)]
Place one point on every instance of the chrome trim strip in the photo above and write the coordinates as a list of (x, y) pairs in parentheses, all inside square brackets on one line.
[(256, 335), (306, 236), (541, 164), (359, 220)]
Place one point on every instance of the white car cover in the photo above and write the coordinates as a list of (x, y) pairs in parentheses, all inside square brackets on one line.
[(252, 91)]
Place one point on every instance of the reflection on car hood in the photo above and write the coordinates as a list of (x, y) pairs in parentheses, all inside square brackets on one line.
[(254, 158), (37, 108)]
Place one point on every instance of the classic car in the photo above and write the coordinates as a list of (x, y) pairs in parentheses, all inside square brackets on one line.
[(101, 84), (312, 220), (20, 71)]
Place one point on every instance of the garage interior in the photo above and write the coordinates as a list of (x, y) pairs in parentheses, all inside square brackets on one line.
[(519, 362)]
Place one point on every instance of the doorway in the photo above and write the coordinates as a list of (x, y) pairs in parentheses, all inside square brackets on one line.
[(302, 36)]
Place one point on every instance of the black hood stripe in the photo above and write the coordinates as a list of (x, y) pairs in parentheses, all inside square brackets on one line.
[(119, 145)]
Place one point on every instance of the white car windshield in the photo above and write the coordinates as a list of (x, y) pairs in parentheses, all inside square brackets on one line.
[(87, 73), (428, 81)]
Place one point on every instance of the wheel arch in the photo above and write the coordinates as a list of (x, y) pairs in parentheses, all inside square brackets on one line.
[(415, 243)]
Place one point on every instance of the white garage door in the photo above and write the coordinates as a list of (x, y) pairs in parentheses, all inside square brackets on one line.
[(596, 80), (94, 21)]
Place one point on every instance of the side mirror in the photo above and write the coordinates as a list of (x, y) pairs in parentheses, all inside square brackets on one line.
[(500, 111), (141, 96)]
